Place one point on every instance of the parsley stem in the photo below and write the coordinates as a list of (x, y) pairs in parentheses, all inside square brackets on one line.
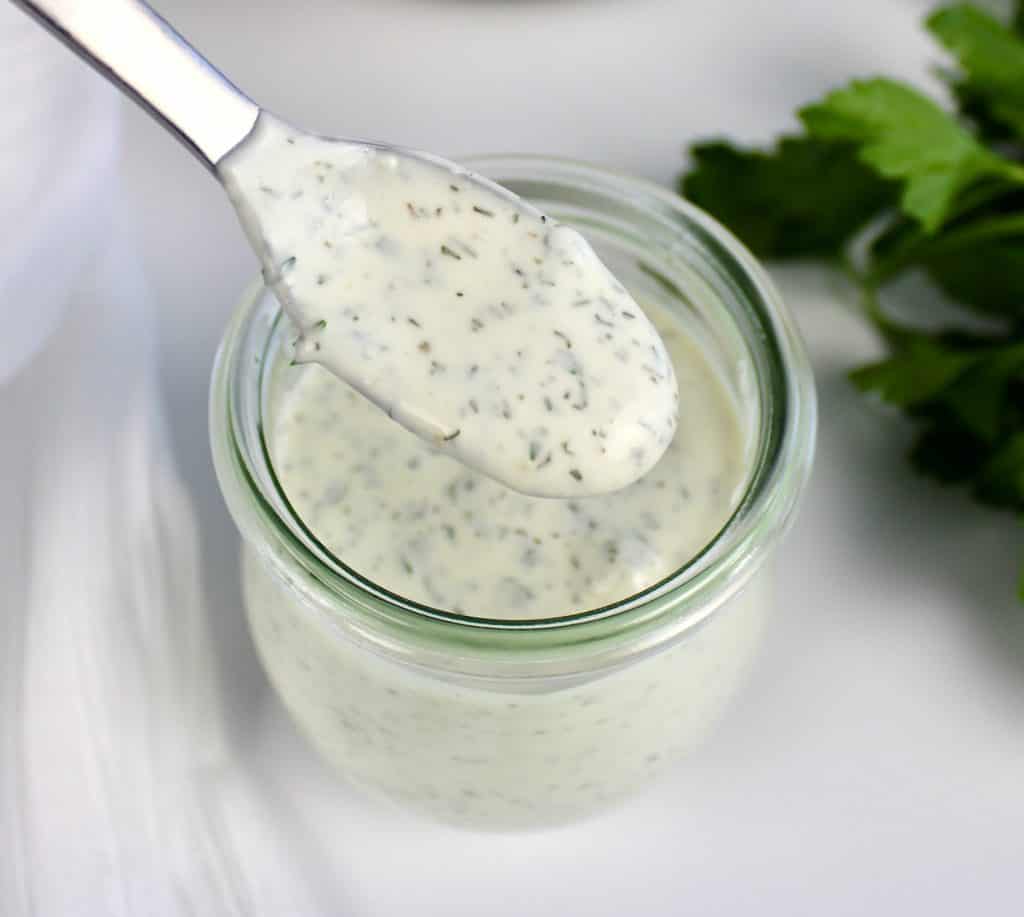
[(867, 288), (873, 306)]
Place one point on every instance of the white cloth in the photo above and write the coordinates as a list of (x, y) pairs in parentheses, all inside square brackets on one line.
[(58, 159), (119, 793)]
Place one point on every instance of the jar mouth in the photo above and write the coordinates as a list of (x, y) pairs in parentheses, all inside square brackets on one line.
[(780, 457)]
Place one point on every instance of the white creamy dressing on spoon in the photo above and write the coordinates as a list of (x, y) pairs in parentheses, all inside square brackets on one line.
[(481, 325), (409, 518)]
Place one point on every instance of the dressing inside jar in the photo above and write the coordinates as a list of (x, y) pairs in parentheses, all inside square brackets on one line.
[(419, 524)]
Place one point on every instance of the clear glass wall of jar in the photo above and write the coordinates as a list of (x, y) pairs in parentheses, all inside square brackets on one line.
[(501, 724)]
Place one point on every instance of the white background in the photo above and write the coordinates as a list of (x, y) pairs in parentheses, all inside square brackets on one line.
[(876, 762)]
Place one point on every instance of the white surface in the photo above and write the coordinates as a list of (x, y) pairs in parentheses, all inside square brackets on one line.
[(876, 760)]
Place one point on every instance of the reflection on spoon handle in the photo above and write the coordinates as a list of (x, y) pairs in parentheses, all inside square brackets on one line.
[(138, 51)]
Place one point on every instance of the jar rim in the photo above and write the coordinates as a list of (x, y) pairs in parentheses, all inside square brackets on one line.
[(723, 565)]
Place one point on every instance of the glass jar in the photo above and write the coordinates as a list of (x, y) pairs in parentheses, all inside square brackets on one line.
[(521, 723)]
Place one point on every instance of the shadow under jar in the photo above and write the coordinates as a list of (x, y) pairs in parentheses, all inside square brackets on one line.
[(498, 723)]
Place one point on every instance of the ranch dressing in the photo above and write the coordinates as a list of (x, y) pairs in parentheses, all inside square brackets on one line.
[(409, 518), (476, 751), (490, 331)]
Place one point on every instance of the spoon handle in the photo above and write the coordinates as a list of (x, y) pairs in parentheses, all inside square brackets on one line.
[(138, 51)]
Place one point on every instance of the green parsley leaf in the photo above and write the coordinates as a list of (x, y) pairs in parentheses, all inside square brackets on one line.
[(805, 197), (904, 135), (917, 373), (988, 276), (978, 398), (976, 258), (976, 108), (992, 58), (878, 155), (947, 453), (1000, 481)]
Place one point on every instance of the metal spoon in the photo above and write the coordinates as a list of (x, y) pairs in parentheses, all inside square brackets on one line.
[(546, 409)]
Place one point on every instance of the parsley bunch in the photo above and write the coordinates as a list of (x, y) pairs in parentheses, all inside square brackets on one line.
[(882, 181)]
